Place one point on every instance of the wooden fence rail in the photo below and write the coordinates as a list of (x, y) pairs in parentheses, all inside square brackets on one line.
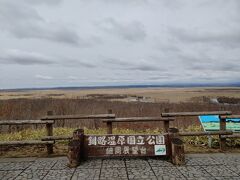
[(55, 138), (179, 114), (110, 118), (29, 142), (137, 119), (230, 117), (231, 136), (222, 116), (223, 127), (22, 122), (205, 133), (49, 128), (49, 120), (61, 117)]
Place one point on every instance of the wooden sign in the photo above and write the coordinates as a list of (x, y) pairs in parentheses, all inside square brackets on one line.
[(83, 146), (126, 145)]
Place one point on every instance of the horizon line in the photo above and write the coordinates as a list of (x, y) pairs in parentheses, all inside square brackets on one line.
[(173, 85)]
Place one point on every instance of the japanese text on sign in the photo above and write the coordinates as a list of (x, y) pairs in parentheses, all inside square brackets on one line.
[(126, 145), (125, 140)]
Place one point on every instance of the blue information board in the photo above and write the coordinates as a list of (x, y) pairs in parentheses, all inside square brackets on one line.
[(212, 123)]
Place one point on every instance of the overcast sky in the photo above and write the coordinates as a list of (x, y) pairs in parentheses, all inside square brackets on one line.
[(48, 43)]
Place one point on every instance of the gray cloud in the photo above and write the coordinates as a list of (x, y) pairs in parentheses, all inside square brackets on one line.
[(133, 31), (46, 2), (24, 22), (122, 2), (145, 67), (116, 62), (208, 64), (39, 31), (92, 42), (173, 4), (229, 66), (139, 65), (43, 77), (168, 47), (162, 75), (230, 38), (24, 58), (213, 66), (11, 12), (19, 57), (70, 62)]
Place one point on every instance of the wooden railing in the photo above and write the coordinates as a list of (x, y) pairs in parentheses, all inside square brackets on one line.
[(182, 114), (28, 142), (208, 133), (49, 120), (223, 125), (110, 118), (223, 115), (49, 127), (22, 122), (138, 119), (61, 117), (166, 118)]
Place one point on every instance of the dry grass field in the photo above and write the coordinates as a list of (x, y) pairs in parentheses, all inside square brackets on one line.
[(35, 104), (156, 94)]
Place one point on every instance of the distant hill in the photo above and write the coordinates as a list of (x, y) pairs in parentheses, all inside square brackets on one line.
[(180, 85)]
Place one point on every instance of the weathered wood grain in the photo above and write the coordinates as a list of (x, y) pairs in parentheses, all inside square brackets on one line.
[(138, 119), (178, 155), (178, 114), (22, 122), (60, 117), (230, 117), (29, 142), (55, 138), (49, 129), (228, 132), (119, 149)]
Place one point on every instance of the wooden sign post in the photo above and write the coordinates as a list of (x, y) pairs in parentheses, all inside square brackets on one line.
[(125, 145), (115, 145)]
